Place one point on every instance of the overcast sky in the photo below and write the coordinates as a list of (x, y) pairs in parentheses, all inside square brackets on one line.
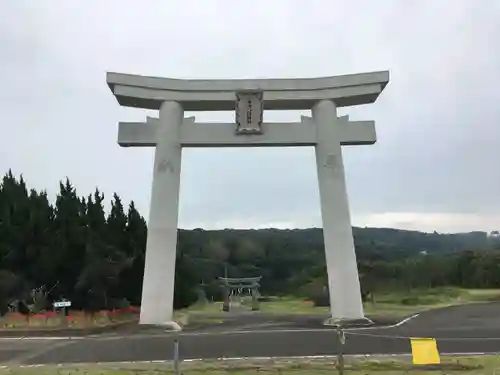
[(436, 163)]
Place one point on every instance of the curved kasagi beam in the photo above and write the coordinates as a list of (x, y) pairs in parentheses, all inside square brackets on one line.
[(220, 95)]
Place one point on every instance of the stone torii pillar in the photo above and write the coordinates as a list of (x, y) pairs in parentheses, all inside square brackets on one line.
[(171, 131)]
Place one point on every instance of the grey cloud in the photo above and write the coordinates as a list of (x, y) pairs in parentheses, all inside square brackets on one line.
[(437, 121)]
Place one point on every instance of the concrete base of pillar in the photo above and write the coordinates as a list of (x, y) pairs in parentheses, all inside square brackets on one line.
[(173, 326), (348, 323)]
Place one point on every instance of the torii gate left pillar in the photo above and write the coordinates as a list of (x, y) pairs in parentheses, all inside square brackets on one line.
[(171, 131)]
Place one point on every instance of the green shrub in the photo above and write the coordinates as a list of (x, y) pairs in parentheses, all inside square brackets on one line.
[(321, 300), (317, 293), (410, 301)]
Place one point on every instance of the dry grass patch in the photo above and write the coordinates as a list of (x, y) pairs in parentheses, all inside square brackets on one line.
[(75, 320)]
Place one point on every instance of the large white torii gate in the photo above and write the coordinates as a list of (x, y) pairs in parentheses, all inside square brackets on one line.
[(171, 131)]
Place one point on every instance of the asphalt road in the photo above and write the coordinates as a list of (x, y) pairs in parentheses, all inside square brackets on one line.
[(464, 329)]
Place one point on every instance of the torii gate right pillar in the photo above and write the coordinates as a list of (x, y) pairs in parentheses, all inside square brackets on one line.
[(343, 281)]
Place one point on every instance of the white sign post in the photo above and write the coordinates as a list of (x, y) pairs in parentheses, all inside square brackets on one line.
[(61, 304)]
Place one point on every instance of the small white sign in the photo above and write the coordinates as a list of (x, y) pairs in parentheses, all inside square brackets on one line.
[(62, 304), (249, 112)]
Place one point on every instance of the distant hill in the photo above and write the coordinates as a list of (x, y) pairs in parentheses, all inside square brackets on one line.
[(371, 243), (388, 241), (290, 259)]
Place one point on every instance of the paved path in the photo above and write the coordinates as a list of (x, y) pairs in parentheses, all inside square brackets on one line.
[(463, 329)]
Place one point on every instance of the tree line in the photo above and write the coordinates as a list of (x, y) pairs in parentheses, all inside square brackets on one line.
[(73, 249)]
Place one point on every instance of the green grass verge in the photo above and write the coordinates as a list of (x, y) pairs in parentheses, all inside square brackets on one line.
[(395, 304), (404, 303), (485, 365)]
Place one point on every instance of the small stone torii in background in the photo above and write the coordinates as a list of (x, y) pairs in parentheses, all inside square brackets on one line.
[(229, 285), (171, 131)]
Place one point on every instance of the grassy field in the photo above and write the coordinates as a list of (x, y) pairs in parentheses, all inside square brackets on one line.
[(387, 304), (401, 304), (486, 365)]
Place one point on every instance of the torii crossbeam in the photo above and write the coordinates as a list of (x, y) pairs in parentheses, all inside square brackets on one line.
[(280, 134), (171, 131)]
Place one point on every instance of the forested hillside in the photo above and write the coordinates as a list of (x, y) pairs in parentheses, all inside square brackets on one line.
[(74, 249)]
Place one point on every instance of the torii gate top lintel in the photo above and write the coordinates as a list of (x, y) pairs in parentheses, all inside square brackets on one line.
[(219, 94)]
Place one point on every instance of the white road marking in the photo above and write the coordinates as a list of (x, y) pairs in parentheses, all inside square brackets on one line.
[(214, 333), (296, 330), (41, 338), (404, 321)]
